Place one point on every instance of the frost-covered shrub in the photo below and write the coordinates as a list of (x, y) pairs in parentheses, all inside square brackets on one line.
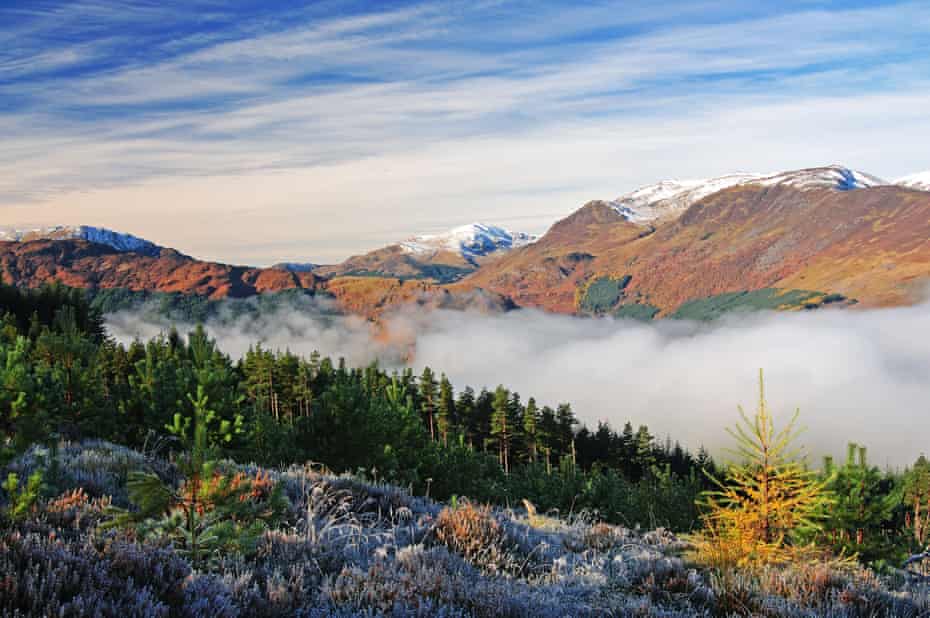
[(351, 548), (45, 576), (97, 467), (839, 589), (475, 534)]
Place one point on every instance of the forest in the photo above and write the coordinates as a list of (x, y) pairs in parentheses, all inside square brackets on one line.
[(187, 412)]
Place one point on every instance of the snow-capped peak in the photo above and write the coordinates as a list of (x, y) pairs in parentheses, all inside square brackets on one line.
[(99, 235), (672, 197), (470, 241), (835, 177), (920, 181)]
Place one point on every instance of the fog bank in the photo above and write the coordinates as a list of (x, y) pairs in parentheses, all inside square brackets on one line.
[(856, 375)]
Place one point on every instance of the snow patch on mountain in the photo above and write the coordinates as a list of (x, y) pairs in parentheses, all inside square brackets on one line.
[(832, 177), (672, 197), (116, 240), (470, 241), (920, 181)]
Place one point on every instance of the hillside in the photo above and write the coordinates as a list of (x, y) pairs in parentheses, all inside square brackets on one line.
[(84, 264), (868, 244), (95, 266)]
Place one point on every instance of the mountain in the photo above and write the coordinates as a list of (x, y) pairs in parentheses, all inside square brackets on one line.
[(443, 257), (802, 239), (89, 264), (31, 261), (99, 235), (799, 239), (671, 197), (471, 242), (919, 181)]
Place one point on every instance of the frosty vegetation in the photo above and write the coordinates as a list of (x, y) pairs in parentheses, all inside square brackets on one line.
[(345, 547)]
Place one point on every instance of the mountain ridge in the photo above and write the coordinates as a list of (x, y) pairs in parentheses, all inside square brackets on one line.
[(808, 235)]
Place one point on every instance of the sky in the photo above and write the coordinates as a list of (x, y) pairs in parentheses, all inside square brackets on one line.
[(263, 131)]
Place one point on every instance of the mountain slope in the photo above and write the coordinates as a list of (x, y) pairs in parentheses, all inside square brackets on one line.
[(443, 257), (90, 265), (793, 231), (99, 235), (84, 264)]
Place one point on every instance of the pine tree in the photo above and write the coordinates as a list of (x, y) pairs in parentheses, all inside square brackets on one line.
[(756, 511), (210, 512), (445, 418), (530, 414), (467, 418), (501, 431), (548, 432), (644, 452), (515, 423), (565, 418), (429, 400), (917, 500), (863, 507), (484, 411)]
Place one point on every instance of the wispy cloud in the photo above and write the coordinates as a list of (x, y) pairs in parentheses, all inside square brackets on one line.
[(454, 101)]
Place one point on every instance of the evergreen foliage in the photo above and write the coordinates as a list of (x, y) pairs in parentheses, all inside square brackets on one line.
[(861, 516), (21, 499)]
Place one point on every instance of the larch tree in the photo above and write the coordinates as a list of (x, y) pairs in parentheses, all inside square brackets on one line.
[(753, 515)]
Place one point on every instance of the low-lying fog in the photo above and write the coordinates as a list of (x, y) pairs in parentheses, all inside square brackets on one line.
[(856, 375)]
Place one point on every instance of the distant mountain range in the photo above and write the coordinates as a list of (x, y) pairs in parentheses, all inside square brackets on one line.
[(803, 239), (102, 236)]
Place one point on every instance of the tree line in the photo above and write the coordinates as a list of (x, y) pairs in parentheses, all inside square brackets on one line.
[(63, 378)]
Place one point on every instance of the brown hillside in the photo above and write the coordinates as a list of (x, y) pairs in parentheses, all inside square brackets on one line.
[(870, 244), (81, 264)]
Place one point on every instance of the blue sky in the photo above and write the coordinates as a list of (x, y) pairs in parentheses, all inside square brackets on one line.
[(263, 131)]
